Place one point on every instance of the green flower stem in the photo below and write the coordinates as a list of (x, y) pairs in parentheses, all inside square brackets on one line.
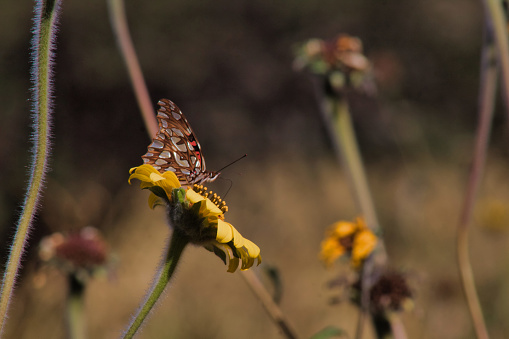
[(487, 91), (497, 23), (339, 117), (46, 13), (177, 244), (121, 31), (268, 302), (75, 308)]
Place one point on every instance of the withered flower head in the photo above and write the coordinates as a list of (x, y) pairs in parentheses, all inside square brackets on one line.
[(77, 253)]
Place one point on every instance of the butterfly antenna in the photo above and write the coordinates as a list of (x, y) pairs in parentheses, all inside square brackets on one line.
[(229, 188), (242, 157)]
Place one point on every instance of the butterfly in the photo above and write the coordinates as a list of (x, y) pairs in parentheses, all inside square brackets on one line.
[(175, 147)]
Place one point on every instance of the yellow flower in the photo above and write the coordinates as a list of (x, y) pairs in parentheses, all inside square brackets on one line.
[(348, 238), (151, 178), (228, 242), (199, 216), (493, 214)]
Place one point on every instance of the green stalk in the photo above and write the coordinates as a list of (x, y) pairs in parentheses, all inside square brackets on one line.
[(487, 91), (75, 308), (337, 116), (45, 22), (177, 244), (349, 152)]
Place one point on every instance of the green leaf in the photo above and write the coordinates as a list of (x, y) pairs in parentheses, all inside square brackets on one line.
[(329, 332), (219, 253)]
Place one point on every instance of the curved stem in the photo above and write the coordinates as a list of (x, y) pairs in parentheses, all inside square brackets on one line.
[(177, 244), (121, 31), (270, 306), (486, 103), (45, 22)]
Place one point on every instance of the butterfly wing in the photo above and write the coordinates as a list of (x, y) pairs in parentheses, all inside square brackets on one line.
[(175, 147)]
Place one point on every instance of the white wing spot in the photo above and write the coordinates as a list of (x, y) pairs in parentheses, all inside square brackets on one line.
[(181, 162), (156, 144), (161, 114), (178, 132), (164, 123), (165, 155), (161, 162), (176, 116)]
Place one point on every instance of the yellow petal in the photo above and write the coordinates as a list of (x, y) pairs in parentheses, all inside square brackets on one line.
[(149, 176), (172, 179), (154, 200), (361, 223), (154, 177), (364, 243), (233, 262), (238, 239), (331, 250), (252, 248), (207, 208), (141, 172), (342, 229), (224, 232), (193, 197)]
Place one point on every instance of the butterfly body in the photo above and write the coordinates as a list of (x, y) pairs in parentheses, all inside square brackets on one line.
[(175, 147)]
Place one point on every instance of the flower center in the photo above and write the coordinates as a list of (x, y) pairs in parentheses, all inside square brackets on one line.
[(216, 199), (347, 242)]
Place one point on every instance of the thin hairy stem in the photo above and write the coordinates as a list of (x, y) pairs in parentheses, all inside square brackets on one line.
[(486, 107), (497, 23), (177, 244), (45, 23), (124, 41), (268, 303)]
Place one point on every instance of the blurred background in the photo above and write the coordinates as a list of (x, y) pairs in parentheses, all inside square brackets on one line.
[(228, 66)]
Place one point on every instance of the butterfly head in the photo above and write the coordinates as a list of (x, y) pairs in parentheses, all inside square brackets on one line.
[(203, 177)]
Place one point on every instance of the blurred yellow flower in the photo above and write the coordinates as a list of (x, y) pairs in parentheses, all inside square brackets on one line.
[(348, 238), (201, 219), (493, 214)]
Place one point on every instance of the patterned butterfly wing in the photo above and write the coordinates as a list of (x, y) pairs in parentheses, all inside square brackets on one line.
[(175, 147)]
